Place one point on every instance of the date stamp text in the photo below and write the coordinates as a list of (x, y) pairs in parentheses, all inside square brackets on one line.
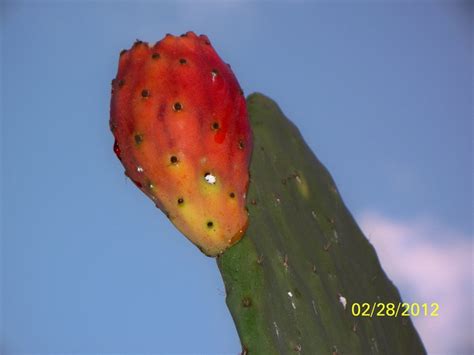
[(379, 309)]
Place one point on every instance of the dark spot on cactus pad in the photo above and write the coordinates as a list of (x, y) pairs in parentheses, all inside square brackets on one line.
[(182, 61), (177, 106), (174, 159), (232, 195), (214, 73), (241, 144), (138, 138), (180, 201), (117, 150), (121, 83), (155, 56), (210, 224), (122, 52), (145, 93), (184, 35), (137, 42), (215, 126), (241, 92), (246, 301)]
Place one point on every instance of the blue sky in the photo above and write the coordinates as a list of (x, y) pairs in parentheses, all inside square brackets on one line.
[(382, 92)]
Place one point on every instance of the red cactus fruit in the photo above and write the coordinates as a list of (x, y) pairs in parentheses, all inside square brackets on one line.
[(182, 133)]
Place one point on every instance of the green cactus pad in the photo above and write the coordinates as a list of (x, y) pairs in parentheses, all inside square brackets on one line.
[(302, 256)]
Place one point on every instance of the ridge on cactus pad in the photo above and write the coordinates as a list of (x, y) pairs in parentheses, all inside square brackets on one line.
[(182, 133)]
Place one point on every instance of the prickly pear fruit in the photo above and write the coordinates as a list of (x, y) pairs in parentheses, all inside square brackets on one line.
[(182, 133)]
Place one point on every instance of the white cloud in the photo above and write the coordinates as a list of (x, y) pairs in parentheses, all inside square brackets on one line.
[(429, 263)]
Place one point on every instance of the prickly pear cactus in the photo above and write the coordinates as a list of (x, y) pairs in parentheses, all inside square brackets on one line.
[(303, 262)]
